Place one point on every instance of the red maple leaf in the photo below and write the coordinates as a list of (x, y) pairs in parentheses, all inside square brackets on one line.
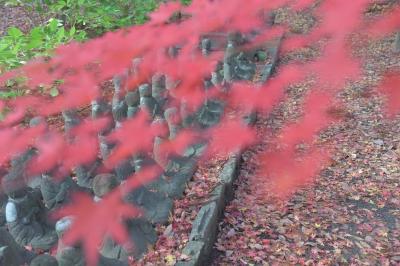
[(288, 172), (133, 136), (229, 136), (93, 221)]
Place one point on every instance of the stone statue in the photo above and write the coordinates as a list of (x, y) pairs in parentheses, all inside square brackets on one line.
[(141, 232), (18, 168), (147, 102), (67, 255), (173, 51), (236, 65), (71, 119), (187, 114), (119, 110), (244, 68), (135, 66), (124, 169), (103, 184), (105, 147), (158, 89), (206, 46), (3, 202), (141, 161), (26, 217), (44, 260), (22, 161), (132, 99), (11, 254), (85, 173), (228, 64), (37, 120), (73, 255), (119, 107), (55, 193), (210, 113), (158, 154), (156, 206), (101, 108), (216, 78), (173, 120)]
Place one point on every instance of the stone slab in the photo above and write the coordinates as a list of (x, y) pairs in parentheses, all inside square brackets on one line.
[(229, 174)]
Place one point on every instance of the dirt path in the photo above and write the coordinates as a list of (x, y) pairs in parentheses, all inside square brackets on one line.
[(350, 215)]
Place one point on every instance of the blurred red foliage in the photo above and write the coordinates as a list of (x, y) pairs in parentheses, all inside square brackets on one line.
[(83, 67)]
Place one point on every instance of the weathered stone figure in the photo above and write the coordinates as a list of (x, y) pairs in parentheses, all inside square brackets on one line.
[(119, 107), (3, 202), (73, 255), (147, 102), (105, 147), (22, 161), (173, 120), (67, 255), (243, 68), (173, 51), (71, 119), (37, 120), (83, 173), (228, 64), (210, 113), (141, 232), (135, 66), (125, 168), (141, 161), (18, 167), (44, 260), (26, 217), (158, 154), (156, 206), (205, 46), (55, 193), (132, 99), (103, 184), (217, 76), (100, 108), (86, 173), (158, 89), (187, 115), (11, 254)]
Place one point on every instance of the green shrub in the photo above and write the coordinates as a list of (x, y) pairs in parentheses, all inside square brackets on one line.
[(16, 47), (96, 17)]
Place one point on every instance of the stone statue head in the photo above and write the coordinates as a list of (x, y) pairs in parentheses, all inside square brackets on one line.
[(63, 225), (14, 186), (103, 184)]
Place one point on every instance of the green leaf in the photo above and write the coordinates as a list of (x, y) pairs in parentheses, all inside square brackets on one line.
[(34, 43), (60, 34), (53, 24), (36, 33), (15, 32), (72, 32)]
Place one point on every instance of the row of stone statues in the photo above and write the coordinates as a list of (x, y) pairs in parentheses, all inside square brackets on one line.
[(28, 200)]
